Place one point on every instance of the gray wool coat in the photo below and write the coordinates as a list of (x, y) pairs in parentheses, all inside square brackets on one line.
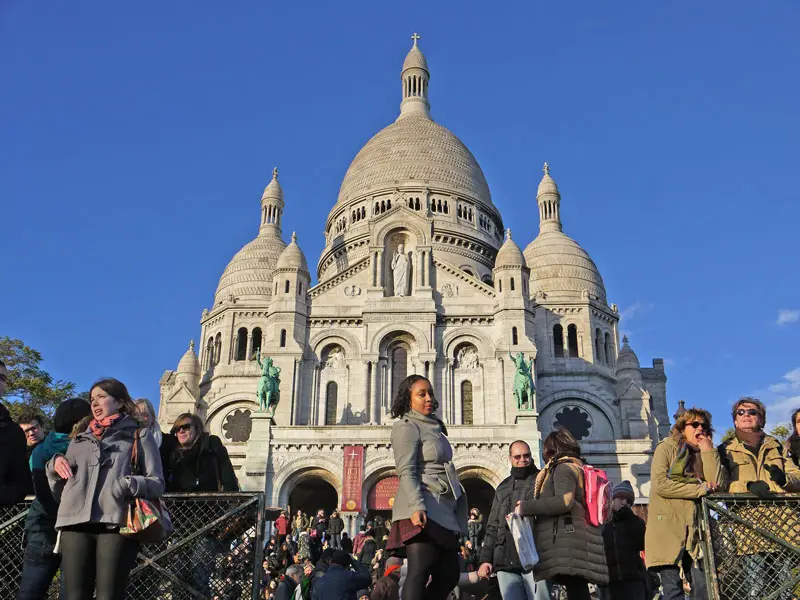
[(101, 483), (428, 479)]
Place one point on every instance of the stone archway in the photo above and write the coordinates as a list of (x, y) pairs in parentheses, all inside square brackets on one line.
[(312, 491), (480, 493)]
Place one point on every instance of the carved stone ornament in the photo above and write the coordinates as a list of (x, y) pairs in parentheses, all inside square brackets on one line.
[(335, 359), (576, 420), (238, 425), (467, 358), (352, 290), (449, 290)]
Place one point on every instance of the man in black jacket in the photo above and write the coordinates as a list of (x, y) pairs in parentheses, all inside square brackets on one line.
[(499, 553), (623, 538)]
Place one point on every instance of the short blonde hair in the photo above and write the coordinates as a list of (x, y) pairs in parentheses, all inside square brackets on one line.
[(687, 416)]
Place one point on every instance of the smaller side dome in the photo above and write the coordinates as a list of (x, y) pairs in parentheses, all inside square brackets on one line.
[(510, 254), (189, 363), (627, 362), (292, 257)]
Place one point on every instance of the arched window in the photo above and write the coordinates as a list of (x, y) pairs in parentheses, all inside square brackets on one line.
[(598, 345), (283, 338), (410, 203), (363, 212), (514, 337), (572, 341), (388, 204), (377, 208), (217, 348), (331, 396), (466, 403), (383, 205), (500, 285), (399, 358), (256, 343), (512, 284), (210, 353), (299, 288), (241, 344), (286, 287), (416, 204), (446, 210), (608, 353), (558, 341)]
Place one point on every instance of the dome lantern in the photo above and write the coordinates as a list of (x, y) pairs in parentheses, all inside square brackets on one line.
[(272, 207), (549, 200), (415, 77)]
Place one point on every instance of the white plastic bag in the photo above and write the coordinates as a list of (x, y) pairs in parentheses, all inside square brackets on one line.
[(522, 533)]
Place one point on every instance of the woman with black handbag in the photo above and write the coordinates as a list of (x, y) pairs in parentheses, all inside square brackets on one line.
[(95, 485)]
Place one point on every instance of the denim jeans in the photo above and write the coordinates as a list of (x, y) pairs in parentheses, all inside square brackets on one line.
[(762, 568), (521, 586), (672, 585), (39, 567), (336, 541)]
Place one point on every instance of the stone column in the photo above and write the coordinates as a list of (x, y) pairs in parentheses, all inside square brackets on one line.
[(429, 269), (447, 409), (421, 267), (322, 402), (365, 387), (375, 409), (381, 282), (458, 401), (502, 385)]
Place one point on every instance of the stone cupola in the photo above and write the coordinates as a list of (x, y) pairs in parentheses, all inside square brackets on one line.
[(415, 77)]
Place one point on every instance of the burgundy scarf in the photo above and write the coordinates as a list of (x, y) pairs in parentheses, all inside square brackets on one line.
[(100, 427)]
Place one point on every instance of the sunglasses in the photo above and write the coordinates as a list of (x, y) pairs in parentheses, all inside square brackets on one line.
[(699, 425), (184, 427), (520, 456), (747, 411)]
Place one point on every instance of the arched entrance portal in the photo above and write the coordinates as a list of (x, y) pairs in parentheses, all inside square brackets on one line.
[(312, 493), (380, 498), (479, 494)]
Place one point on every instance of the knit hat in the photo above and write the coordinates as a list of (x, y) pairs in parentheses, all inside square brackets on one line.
[(624, 489)]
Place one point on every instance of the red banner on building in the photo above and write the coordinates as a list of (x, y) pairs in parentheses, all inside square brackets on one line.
[(381, 496), (352, 478)]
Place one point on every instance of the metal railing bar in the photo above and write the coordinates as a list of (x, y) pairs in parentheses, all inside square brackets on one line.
[(763, 532)]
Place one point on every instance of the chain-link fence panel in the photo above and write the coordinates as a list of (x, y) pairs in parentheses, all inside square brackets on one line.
[(752, 546), (214, 554)]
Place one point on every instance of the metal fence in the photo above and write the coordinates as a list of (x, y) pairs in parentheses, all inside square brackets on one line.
[(751, 546), (215, 552)]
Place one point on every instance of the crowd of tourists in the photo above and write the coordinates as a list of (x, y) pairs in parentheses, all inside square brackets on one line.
[(433, 548)]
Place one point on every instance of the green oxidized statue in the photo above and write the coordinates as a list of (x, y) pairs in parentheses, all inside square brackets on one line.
[(523, 381), (269, 385)]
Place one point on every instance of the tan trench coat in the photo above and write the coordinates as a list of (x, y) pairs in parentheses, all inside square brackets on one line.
[(672, 515), (566, 543), (742, 467)]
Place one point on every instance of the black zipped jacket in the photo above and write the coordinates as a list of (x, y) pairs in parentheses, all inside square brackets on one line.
[(498, 547), (623, 538)]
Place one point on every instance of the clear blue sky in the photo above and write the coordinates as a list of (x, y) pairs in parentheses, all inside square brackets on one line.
[(136, 140)]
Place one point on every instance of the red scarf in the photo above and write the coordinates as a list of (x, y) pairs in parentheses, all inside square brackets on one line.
[(99, 427)]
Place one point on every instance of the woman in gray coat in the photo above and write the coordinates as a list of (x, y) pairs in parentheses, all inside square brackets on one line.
[(430, 509), (94, 483)]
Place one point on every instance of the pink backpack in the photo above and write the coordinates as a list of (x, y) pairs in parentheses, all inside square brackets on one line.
[(597, 495)]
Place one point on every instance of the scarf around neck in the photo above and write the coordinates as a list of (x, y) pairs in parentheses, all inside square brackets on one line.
[(99, 427), (551, 465)]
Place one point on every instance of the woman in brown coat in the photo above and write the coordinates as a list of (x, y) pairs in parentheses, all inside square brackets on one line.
[(571, 552)]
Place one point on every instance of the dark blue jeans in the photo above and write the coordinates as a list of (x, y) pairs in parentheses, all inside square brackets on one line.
[(39, 567), (672, 585)]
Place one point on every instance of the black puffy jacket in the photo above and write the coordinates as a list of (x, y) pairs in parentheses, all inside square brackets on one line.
[(623, 539), (498, 546), (335, 525), (15, 474), (205, 467)]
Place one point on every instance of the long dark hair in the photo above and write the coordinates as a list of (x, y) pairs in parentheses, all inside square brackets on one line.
[(560, 443), (401, 403), (794, 435), (117, 390)]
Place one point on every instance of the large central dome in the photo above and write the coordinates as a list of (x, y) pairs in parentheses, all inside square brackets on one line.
[(414, 149)]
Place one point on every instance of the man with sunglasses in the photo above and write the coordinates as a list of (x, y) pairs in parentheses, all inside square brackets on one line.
[(754, 461), (757, 463), (499, 553)]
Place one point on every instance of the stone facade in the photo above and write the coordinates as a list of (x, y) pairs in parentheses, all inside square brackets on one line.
[(470, 297)]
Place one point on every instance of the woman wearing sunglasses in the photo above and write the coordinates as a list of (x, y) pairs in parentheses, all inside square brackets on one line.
[(686, 466), (195, 461)]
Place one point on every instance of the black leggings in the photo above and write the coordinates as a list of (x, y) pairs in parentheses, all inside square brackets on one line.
[(96, 558), (425, 558), (577, 588)]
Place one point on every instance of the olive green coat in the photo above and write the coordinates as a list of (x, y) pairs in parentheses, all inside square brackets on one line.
[(742, 467), (672, 515), (566, 543)]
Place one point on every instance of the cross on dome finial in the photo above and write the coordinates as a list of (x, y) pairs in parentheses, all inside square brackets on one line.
[(416, 37), (274, 172), (546, 168), (294, 237), (508, 233), (191, 345), (625, 340)]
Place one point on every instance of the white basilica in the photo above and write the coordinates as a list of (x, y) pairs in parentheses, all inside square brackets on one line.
[(418, 275)]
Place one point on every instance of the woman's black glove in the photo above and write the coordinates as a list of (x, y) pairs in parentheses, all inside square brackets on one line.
[(776, 474)]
